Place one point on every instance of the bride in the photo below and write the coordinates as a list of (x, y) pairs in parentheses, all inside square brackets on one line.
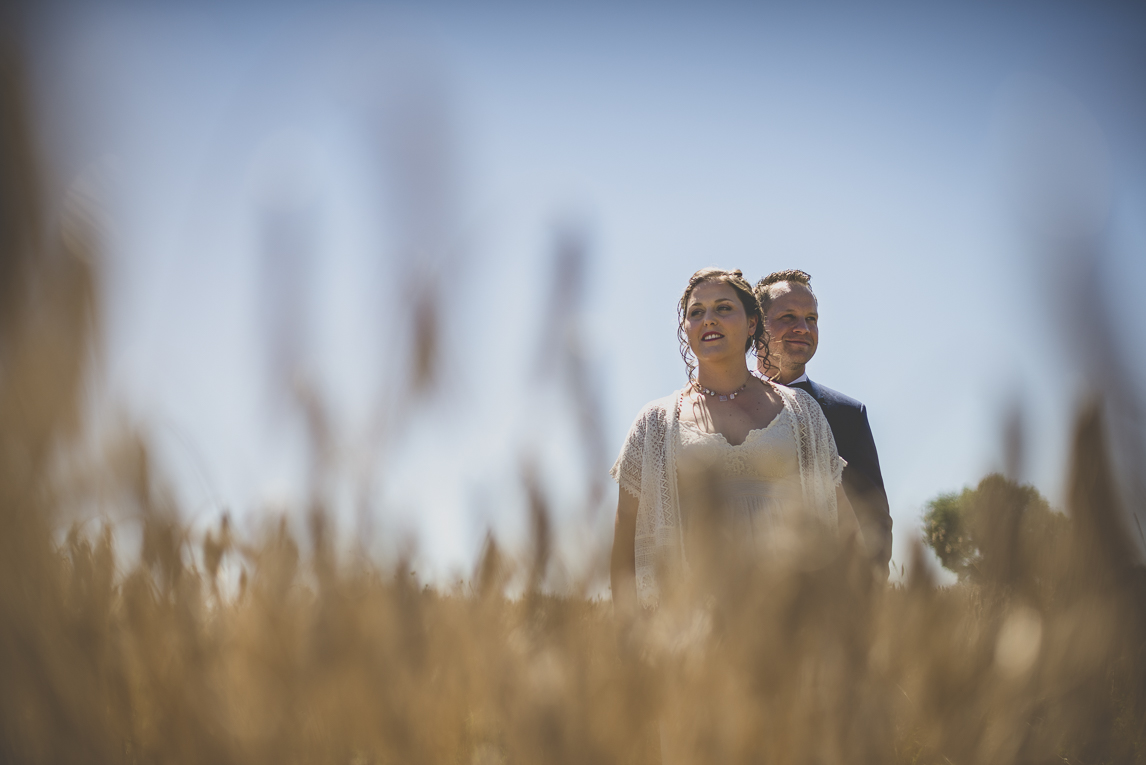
[(752, 460)]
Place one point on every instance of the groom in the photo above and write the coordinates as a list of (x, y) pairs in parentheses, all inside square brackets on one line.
[(791, 316)]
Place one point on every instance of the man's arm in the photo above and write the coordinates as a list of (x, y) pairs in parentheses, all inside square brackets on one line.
[(863, 483)]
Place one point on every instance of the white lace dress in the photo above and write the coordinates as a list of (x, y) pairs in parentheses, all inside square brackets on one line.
[(759, 482)]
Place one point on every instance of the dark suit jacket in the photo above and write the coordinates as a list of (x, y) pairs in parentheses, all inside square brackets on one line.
[(863, 483)]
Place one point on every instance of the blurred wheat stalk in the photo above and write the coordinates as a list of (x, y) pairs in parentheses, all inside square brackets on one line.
[(320, 659)]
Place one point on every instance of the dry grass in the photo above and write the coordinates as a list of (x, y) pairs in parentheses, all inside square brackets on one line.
[(325, 659)]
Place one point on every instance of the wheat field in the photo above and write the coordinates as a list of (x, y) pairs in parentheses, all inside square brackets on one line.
[(320, 657)]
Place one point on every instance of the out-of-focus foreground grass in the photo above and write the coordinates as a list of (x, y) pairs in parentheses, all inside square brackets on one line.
[(320, 658)]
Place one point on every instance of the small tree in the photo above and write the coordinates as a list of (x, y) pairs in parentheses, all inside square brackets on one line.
[(990, 531), (945, 532)]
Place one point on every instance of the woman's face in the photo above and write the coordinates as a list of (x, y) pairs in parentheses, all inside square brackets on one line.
[(716, 324)]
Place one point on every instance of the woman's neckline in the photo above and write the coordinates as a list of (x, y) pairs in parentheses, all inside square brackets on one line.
[(747, 437)]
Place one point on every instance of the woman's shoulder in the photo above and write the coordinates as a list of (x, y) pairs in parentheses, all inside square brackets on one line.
[(775, 391), (660, 405), (658, 409), (800, 401)]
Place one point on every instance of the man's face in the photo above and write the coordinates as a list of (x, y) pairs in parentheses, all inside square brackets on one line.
[(793, 324)]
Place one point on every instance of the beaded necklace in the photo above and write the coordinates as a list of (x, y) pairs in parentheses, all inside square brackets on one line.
[(713, 394)]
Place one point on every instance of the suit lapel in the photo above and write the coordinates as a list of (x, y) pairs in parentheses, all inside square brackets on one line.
[(811, 389), (806, 386)]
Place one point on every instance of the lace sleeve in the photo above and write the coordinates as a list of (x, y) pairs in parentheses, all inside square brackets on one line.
[(821, 468), (838, 465), (626, 471), (826, 438)]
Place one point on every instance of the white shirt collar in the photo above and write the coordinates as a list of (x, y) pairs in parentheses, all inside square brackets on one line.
[(801, 378)]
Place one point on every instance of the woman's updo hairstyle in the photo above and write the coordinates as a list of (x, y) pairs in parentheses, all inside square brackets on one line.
[(735, 280)]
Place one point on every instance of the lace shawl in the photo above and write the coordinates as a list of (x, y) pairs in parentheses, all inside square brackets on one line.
[(821, 467), (646, 468)]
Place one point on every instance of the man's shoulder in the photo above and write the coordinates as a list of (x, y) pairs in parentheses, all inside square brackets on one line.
[(848, 418), (829, 397)]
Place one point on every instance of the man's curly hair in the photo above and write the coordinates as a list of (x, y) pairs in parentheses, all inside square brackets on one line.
[(764, 294)]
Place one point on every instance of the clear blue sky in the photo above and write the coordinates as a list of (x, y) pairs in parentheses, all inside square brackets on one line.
[(868, 146)]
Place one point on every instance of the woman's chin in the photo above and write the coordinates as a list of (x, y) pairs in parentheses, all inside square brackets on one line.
[(717, 355)]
